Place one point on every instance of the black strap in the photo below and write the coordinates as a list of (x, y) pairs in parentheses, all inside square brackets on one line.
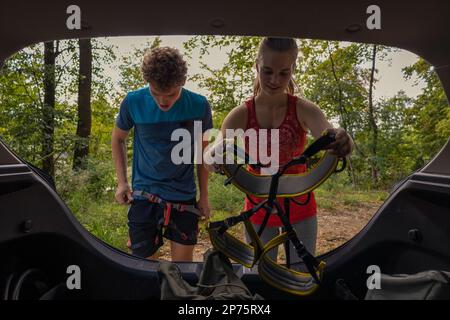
[(344, 165), (229, 222), (314, 148), (286, 243), (319, 144), (233, 175), (251, 200), (302, 203), (266, 219), (309, 260)]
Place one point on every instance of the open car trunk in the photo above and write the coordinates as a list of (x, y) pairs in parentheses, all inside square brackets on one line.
[(410, 232)]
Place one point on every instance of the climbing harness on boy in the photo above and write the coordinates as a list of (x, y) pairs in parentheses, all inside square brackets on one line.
[(165, 222)]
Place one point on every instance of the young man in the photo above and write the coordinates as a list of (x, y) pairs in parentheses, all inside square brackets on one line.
[(163, 194)]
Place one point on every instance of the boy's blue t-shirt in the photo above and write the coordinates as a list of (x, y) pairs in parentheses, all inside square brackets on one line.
[(153, 169)]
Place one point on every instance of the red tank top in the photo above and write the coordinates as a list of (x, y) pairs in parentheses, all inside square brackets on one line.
[(292, 140)]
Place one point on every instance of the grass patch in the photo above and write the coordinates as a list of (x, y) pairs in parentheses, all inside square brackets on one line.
[(347, 197), (224, 198)]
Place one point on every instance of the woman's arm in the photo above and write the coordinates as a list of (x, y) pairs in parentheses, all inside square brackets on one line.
[(312, 117), (236, 119)]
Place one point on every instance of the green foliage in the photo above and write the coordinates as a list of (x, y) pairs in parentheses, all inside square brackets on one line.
[(231, 84), (429, 115), (94, 182), (21, 96), (21, 115), (225, 198), (130, 67), (332, 76)]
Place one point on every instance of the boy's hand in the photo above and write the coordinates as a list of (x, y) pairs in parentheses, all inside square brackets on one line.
[(203, 205), (343, 145), (123, 194)]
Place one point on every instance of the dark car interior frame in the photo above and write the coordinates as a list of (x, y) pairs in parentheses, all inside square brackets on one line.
[(409, 233)]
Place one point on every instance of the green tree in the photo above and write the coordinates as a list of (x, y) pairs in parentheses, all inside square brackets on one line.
[(130, 68), (48, 114), (395, 147), (231, 84), (23, 116), (429, 115), (29, 83), (84, 104)]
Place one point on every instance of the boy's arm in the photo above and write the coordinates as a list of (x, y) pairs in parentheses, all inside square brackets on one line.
[(119, 154), (202, 175)]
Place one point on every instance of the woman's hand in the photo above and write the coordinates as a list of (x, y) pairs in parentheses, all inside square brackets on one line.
[(213, 155), (343, 144), (210, 164)]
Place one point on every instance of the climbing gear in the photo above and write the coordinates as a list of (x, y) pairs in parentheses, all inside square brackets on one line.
[(272, 186), (165, 221), (289, 185)]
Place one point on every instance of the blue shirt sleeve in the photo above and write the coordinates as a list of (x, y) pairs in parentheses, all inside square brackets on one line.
[(207, 122), (124, 120)]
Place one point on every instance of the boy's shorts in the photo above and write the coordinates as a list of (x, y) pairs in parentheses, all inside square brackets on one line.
[(143, 219)]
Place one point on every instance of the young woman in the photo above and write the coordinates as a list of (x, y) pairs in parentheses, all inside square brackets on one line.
[(274, 106)]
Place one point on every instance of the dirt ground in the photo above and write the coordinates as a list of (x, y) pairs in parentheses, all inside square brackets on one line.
[(335, 227)]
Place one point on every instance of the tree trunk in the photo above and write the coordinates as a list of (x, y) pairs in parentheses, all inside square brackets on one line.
[(84, 105), (342, 114), (372, 122), (48, 112)]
